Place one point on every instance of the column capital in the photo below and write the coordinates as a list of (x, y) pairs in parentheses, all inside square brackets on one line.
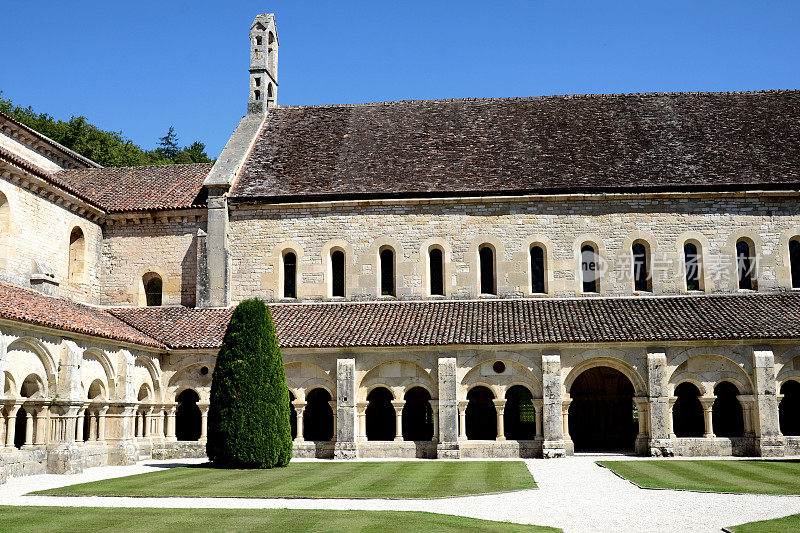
[(538, 403), (462, 405), (707, 402), (398, 404), (499, 403), (299, 404)]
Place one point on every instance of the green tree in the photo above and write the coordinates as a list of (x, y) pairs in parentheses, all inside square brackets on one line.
[(248, 419), (168, 144)]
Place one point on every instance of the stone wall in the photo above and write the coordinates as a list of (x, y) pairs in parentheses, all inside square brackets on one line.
[(167, 247), (34, 230), (259, 236)]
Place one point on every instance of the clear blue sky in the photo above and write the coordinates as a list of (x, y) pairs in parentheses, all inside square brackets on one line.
[(141, 66)]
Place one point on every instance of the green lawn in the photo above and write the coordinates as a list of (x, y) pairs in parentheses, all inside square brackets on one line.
[(390, 479), (121, 520), (787, 524), (754, 477)]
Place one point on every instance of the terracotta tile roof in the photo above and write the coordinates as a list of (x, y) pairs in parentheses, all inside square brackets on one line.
[(31, 307), (629, 142), (145, 188), (441, 323)]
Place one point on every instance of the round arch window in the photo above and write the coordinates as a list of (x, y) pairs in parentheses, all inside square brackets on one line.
[(499, 367)]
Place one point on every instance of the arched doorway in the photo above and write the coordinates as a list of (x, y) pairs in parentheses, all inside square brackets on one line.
[(19, 428), (481, 415), (789, 409), (687, 413), (292, 416), (380, 415), (188, 417), (601, 415), (727, 417), (519, 418), (318, 416), (417, 415)]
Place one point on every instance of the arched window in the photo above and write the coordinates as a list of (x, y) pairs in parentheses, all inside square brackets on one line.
[(188, 417), (337, 274), (318, 416), (289, 275), (258, 40), (641, 269), (436, 268), (794, 261), (152, 289), (537, 269), (745, 265), (687, 413), (488, 284), (519, 417), (77, 251), (387, 271), (380, 415), (481, 415), (789, 409), (691, 257), (417, 415), (727, 417), (589, 271)]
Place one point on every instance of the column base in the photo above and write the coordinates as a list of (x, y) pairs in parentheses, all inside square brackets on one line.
[(661, 448), (398, 439), (553, 449), (345, 450), (65, 458), (770, 447), (448, 450)]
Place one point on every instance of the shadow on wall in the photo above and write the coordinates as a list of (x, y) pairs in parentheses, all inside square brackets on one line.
[(189, 275)]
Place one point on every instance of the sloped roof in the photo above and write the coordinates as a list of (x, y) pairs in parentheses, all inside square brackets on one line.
[(31, 307), (144, 188), (553, 144), (487, 322)]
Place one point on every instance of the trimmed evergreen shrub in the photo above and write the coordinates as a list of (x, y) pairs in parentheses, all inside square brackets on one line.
[(248, 419)]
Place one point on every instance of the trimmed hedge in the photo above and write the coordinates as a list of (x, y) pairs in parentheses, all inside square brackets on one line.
[(248, 419)]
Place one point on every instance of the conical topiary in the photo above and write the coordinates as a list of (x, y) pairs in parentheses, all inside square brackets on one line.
[(248, 419)]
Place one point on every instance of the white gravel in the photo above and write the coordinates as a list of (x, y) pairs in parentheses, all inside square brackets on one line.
[(574, 494)]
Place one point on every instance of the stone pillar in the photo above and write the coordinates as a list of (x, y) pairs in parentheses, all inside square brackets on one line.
[(79, 425), (672, 400), (93, 426), (332, 403), (101, 424), (447, 432), (28, 409), (203, 421), (643, 436), (362, 421), (768, 442), (11, 425), (499, 408), (215, 255), (398, 419), (565, 403), (171, 423), (345, 447), (537, 408), (747, 401), (553, 444), (462, 419), (299, 408), (708, 418), (659, 410), (435, 414), (41, 425)]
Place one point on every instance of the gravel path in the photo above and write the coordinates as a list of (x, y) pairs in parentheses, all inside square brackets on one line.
[(574, 494)]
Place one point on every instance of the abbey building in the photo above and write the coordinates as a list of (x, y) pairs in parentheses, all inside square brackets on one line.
[(451, 278)]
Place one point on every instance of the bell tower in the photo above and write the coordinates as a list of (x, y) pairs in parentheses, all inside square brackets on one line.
[(263, 64)]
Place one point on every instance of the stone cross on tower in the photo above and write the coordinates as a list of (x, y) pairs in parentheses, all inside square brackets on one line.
[(263, 64)]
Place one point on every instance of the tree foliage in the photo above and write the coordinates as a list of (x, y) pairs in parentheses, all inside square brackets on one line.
[(248, 419), (109, 148)]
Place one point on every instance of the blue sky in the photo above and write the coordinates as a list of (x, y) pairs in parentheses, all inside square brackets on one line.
[(141, 66)]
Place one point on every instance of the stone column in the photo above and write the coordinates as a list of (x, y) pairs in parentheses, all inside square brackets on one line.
[(171, 423), (659, 410), (398, 419), (41, 425), (672, 400), (499, 408), (299, 408), (2, 425), (462, 418), (346, 447), (768, 442), (537, 408), (565, 403), (213, 288), (435, 414), (101, 424), (362, 420), (203, 421), (708, 406), (93, 426), (747, 401), (642, 437), (11, 425), (332, 403), (79, 425), (447, 432), (553, 444), (28, 409)]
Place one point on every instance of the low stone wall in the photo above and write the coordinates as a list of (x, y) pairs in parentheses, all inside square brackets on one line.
[(792, 445), (26, 462), (404, 449), (500, 449), (716, 447), (178, 450), (313, 450)]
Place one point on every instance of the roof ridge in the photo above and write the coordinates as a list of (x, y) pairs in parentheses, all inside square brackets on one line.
[(48, 140), (128, 168), (586, 96)]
